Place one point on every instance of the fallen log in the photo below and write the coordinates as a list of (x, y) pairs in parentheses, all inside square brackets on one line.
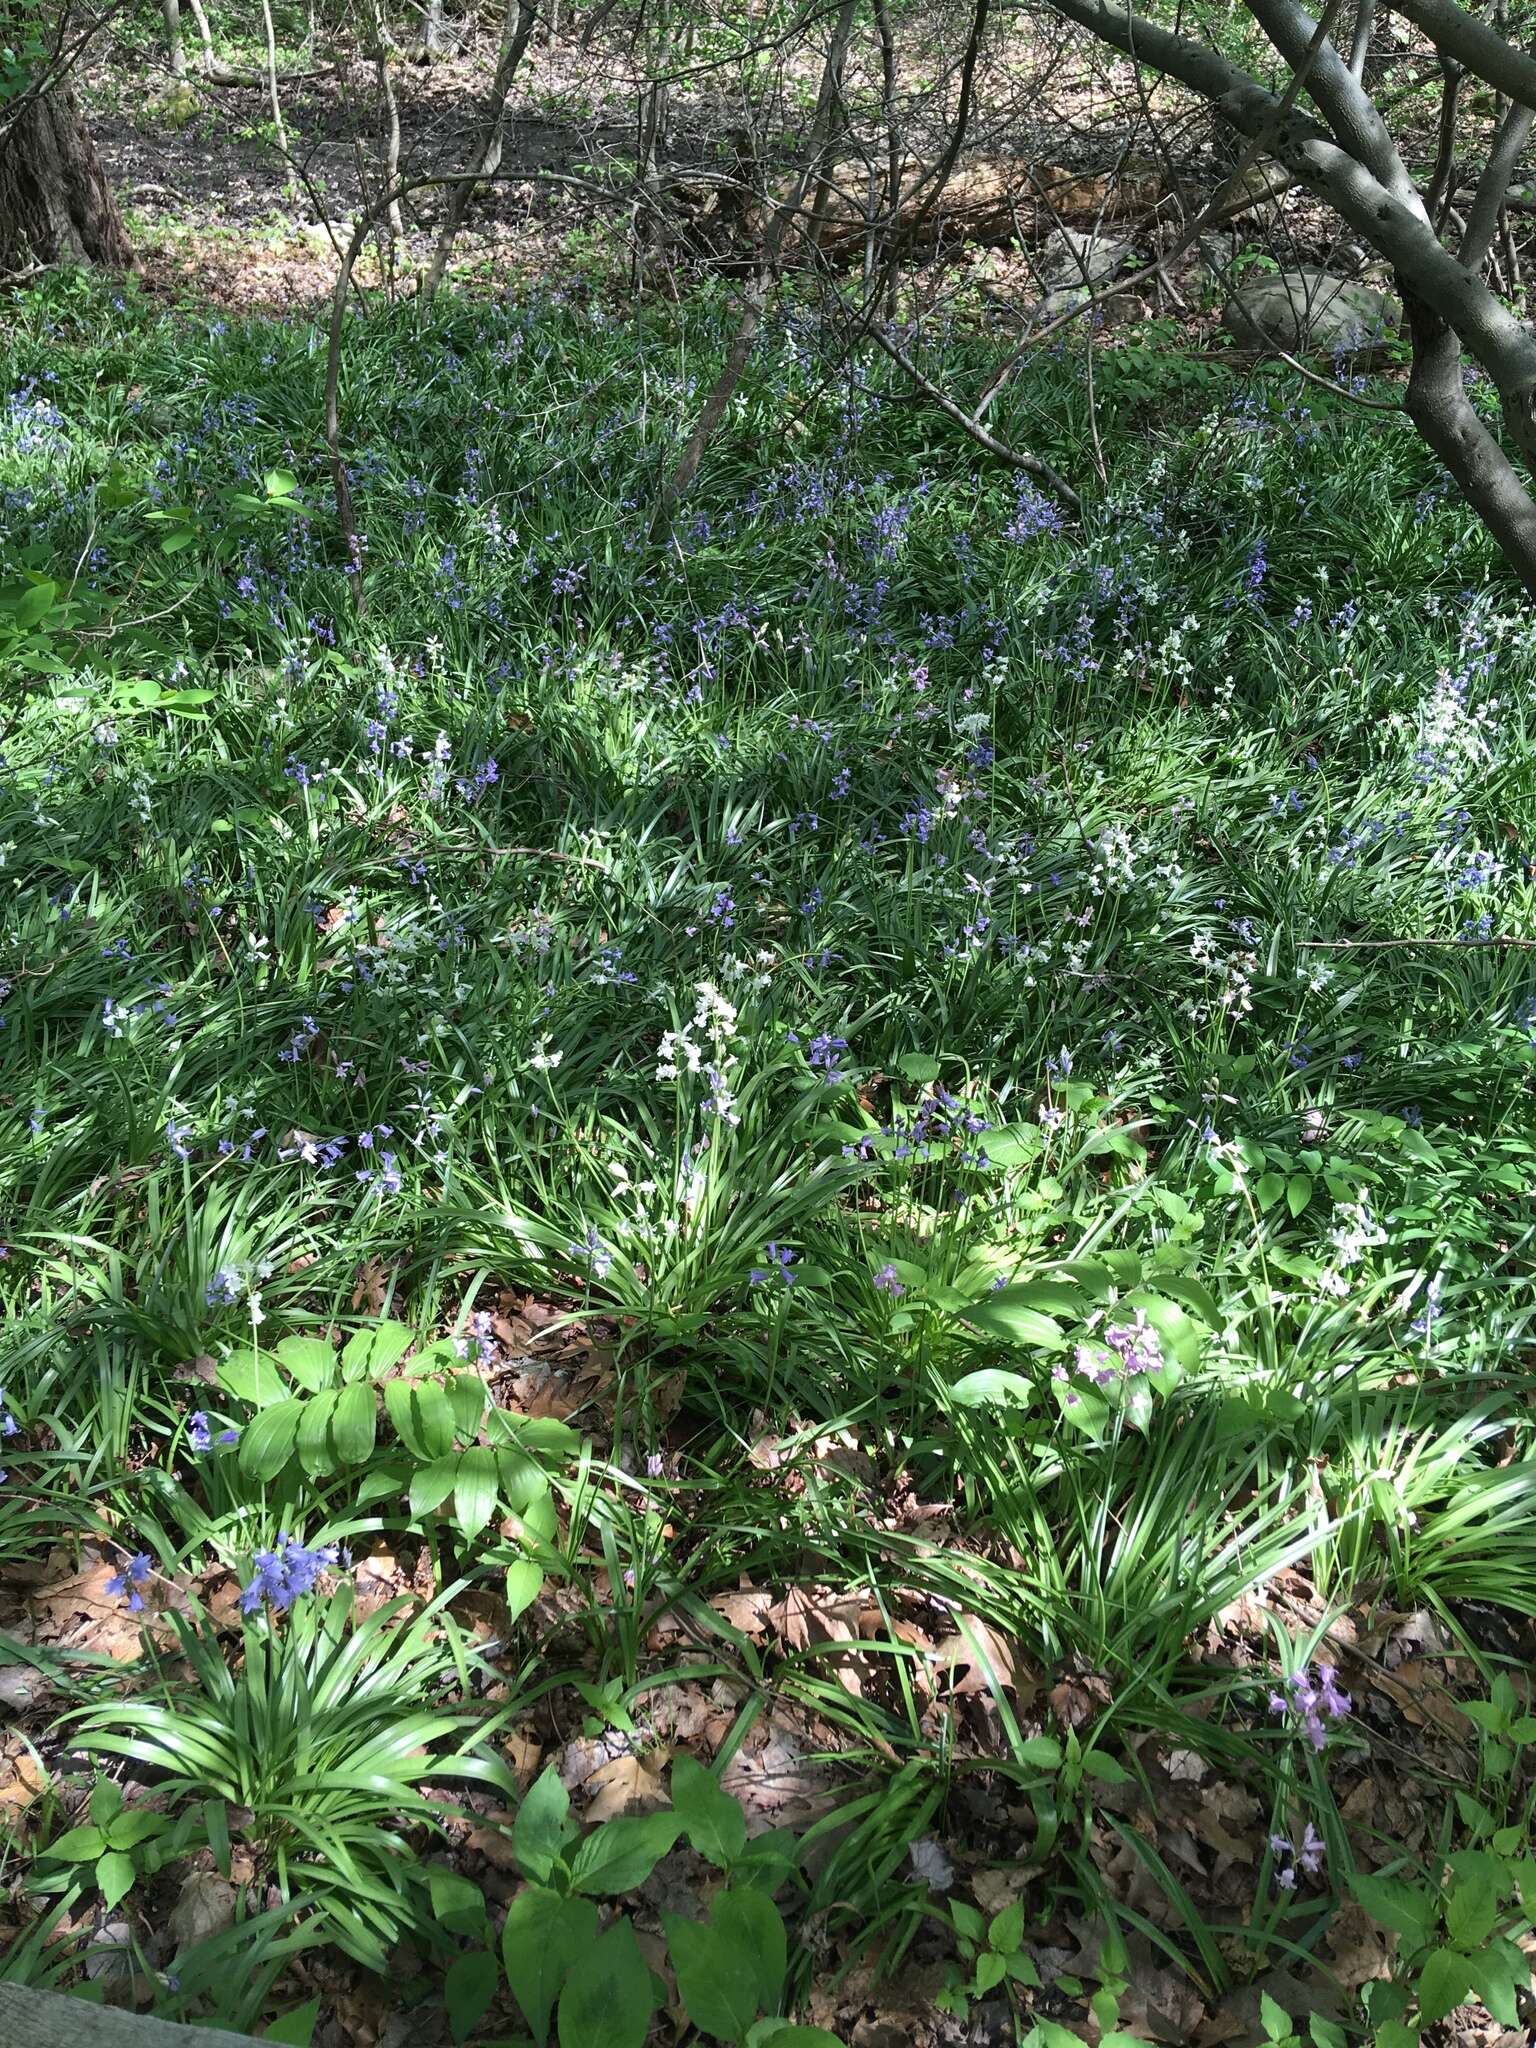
[(51, 2019)]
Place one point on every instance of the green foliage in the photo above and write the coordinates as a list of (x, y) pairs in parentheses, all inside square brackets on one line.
[(120, 1844), (323, 1740), (730, 1966), (994, 1035)]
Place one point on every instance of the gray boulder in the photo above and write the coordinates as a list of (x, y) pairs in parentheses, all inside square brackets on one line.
[(1311, 309), (1075, 266)]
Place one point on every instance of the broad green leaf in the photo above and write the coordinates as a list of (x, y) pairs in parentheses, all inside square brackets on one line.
[(370, 1353), (1006, 1313), (1402, 1907), (474, 1491), (768, 1861), (711, 1819), (312, 1440), (1043, 1752), (34, 604), (920, 1067), (1472, 1908), (354, 1425), (1271, 1187), (250, 1377), (1444, 1982), (968, 1921), (991, 1969), (1007, 1930), (545, 1433), (800, 2037), (106, 1803), (522, 1482), (266, 1442), (1298, 1192), (80, 1845), (296, 2027), (717, 1985), (1498, 1975), (1105, 1768), (1193, 1294), (543, 1826), (1274, 2018), (525, 1582), (1014, 1145), (457, 1903), (432, 1484), (468, 1989), (541, 1518), (422, 1417), (621, 1854), (129, 1829), (608, 2001), (309, 1360), (114, 1876), (466, 1395), (1083, 1405), (545, 1933), (992, 1387), (754, 1928)]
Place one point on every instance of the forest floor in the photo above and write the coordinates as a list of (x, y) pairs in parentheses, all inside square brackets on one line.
[(883, 1147)]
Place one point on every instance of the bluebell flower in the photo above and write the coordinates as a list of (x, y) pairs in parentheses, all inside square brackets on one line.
[(592, 1249), (200, 1437), (128, 1581), (225, 1288), (285, 1574), (780, 1260)]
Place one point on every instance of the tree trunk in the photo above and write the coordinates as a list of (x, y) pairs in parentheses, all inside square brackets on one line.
[(1439, 407), (171, 9), (55, 203), (517, 29)]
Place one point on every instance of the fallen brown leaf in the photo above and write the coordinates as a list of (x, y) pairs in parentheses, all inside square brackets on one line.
[(629, 1784)]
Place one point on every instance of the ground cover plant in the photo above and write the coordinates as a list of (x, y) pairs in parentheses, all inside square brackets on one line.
[(770, 1282)]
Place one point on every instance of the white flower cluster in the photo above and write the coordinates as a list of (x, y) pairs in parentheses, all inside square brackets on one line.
[(1114, 864), (714, 1020), (1235, 972), (1355, 1231)]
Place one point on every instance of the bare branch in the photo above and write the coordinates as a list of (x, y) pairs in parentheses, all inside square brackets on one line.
[(1012, 458), (1493, 186)]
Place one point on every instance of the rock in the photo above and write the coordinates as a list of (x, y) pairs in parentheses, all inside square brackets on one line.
[(1075, 266), (1217, 254), (1311, 309)]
